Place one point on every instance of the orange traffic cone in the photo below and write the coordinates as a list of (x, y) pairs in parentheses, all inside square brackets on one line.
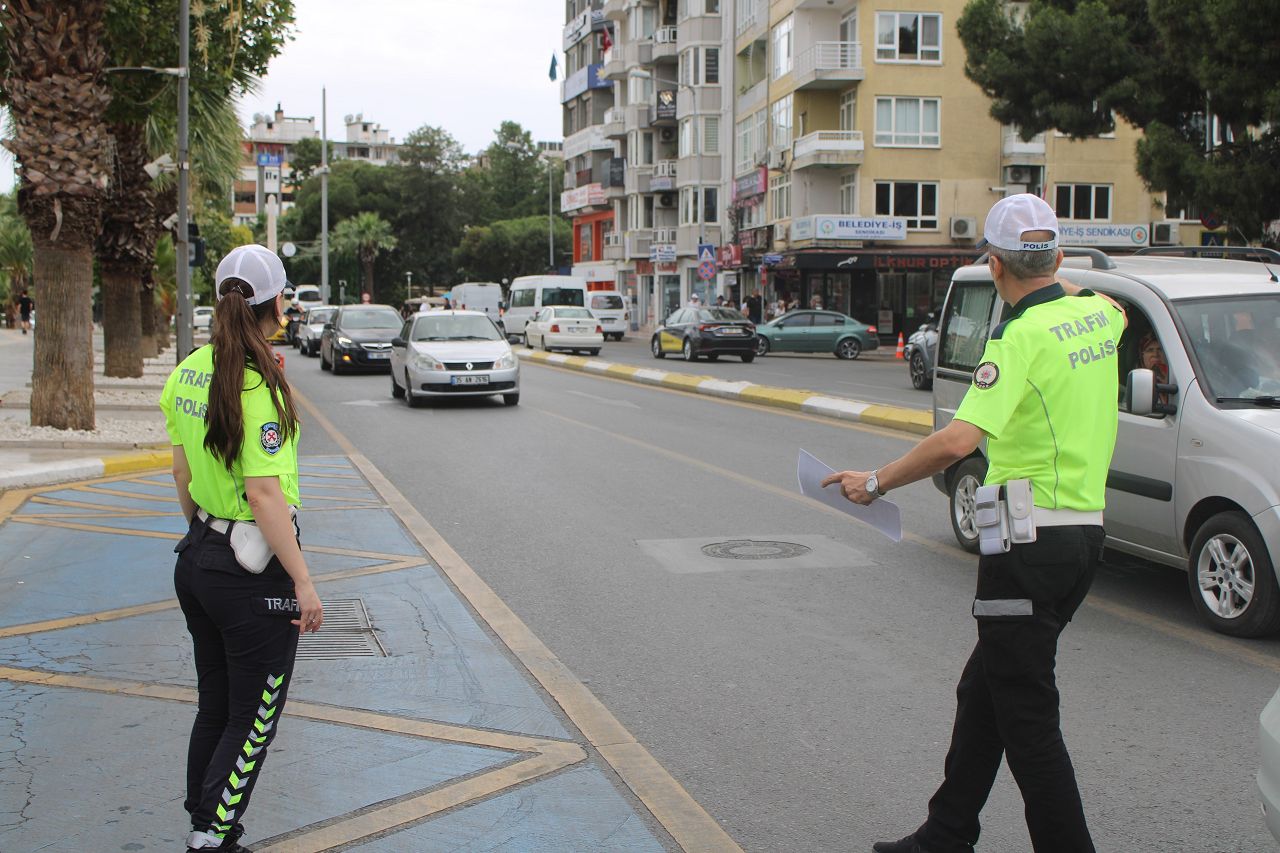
[(900, 353)]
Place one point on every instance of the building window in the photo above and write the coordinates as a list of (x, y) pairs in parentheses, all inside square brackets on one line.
[(700, 66), (782, 58), (849, 26), (711, 135), (750, 216), (782, 122), (710, 205), (908, 37), (908, 122), (849, 194), (848, 109), (688, 138), (745, 155), (1089, 202), (780, 195), (914, 201), (1181, 208)]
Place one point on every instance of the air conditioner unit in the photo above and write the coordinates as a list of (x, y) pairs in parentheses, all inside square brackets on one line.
[(666, 200), (1164, 233), (782, 232), (667, 134), (1017, 174), (778, 158), (964, 227)]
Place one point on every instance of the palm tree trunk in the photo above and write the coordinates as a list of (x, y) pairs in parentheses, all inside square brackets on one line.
[(147, 310), (62, 377), (368, 277), (121, 320)]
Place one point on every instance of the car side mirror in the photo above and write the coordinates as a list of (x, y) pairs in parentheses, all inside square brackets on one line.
[(328, 327), (1140, 391), (397, 341)]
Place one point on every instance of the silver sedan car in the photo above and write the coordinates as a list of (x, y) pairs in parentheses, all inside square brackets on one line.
[(453, 354)]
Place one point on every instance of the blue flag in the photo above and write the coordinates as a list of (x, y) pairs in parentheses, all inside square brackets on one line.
[(555, 63)]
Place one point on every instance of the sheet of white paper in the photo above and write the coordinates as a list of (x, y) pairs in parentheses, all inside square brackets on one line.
[(883, 515)]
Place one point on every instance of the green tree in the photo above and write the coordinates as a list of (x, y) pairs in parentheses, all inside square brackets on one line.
[(364, 236), (1074, 64), (306, 158), (15, 251), (510, 247)]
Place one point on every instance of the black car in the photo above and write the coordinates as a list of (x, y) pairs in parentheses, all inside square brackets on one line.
[(713, 332), (359, 338)]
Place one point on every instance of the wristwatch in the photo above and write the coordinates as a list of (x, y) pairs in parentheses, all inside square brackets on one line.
[(873, 484)]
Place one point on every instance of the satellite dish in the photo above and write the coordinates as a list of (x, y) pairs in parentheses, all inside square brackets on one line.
[(288, 250)]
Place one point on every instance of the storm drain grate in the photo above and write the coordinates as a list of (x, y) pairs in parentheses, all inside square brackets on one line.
[(346, 633), (755, 549)]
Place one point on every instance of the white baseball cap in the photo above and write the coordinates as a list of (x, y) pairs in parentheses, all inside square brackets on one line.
[(257, 266), (1015, 215)]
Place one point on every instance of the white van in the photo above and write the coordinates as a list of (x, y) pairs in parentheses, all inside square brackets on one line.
[(306, 296), (610, 308), (530, 293), (483, 296)]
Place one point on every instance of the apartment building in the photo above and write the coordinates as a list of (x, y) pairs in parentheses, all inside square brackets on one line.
[(267, 150)]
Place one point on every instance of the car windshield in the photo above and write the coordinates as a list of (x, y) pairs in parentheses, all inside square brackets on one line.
[(371, 318), (1237, 342), (724, 315), (561, 296), (606, 302), (455, 327), (324, 316), (309, 296), (568, 313)]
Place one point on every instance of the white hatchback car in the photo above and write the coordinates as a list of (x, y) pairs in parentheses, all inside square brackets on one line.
[(202, 318), (453, 354), (564, 327)]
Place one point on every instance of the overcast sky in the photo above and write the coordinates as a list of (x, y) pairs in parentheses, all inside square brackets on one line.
[(464, 65)]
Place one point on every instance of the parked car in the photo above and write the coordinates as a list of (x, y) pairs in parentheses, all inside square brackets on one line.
[(816, 331), (202, 317), (610, 308), (710, 332), (529, 294), (565, 328), (311, 327), (1268, 779), (920, 352), (451, 354), (1195, 478), (359, 338)]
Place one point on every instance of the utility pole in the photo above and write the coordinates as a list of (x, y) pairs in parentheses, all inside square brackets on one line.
[(186, 333), (551, 222), (324, 196)]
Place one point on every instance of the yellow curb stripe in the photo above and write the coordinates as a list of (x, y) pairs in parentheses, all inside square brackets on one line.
[(132, 463), (622, 370), (684, 381), (904, 419), (780, 397)]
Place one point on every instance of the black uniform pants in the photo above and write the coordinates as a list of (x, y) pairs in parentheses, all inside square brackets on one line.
[(1007, 698), (244, 654)]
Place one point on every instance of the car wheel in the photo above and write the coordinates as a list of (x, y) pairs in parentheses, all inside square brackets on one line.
[(396, 390), (324, 362), (964, 511), (655, 347), (525, 340), (593, 351), (337, 366), (713, 357), (687, 351), (1232, 579), (414, 401), (543, 342), (920, 378), (511, 399), (848, 349), (747, 357), (762, 345)]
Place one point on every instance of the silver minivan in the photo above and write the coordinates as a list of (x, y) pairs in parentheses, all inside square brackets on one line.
[(1195, 478)]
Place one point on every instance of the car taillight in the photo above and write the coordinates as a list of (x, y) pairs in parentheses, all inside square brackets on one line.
[(599, 330), (555, 328), (705, 328), (871, 329)]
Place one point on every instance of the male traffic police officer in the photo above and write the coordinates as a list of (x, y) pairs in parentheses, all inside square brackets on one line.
[(1044, 398)]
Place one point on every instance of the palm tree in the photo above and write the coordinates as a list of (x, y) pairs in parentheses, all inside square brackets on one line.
[(15, 247), (57, 97), (363, 237)]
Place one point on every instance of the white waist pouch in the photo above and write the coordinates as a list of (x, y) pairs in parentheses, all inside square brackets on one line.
[(1005, 516), (250, 546)]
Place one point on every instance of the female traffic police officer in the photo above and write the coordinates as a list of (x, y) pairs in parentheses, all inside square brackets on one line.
[(1049, 415), (241, 577)]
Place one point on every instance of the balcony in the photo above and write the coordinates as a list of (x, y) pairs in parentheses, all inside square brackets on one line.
[(752, 20), (697, 100), (613, 65), (829, 65), (827, 148), (590, 138), (638, 179), (581, 198), (615, 10), (614, 249), (637, 116), (1023, 152), (615, 123), (753, 98), (664, 176), (636, 243), (664, 44)]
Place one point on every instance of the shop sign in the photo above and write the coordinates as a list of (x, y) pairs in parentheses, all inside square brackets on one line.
[(730, 255), (1103, 234), (907, 263), (592, 195), (666, 108), (668, 267), (848, 228), (750, 185), (771, 260), (594, 272), (662, 252), (644, 267)]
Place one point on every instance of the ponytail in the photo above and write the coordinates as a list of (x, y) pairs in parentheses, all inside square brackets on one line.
[(238, 342)]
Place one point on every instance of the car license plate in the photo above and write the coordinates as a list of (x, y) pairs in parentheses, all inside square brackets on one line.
[(378, 355), (579, 330), (732, 331), (469, 380)]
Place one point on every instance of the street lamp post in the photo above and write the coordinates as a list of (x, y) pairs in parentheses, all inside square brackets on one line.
[(186, 331)]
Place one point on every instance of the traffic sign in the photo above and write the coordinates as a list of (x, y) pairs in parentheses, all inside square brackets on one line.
[(1211, 220), (706, 252), (707, 270), (265, 159)]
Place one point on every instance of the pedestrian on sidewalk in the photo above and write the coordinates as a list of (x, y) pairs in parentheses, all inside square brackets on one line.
[(241, 579), (25, 306), (1053, 422)]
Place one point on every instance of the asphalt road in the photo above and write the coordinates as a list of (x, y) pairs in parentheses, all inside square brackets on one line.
[(874, 377), (806, 708)]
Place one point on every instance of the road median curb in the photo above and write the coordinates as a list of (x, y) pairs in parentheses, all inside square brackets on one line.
[(55, 472), (811, 402)]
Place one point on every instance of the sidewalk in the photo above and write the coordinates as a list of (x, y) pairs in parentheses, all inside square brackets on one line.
[(410, 726)]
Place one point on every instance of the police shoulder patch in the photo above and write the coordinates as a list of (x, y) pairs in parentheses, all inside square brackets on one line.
[(271, 438), (987, 374)]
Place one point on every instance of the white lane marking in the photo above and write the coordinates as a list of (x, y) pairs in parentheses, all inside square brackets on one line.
[(625, 404), (369, 403)]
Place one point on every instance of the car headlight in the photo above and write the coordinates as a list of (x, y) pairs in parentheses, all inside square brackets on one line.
[(423, 361), (345, 342), (507, 362)]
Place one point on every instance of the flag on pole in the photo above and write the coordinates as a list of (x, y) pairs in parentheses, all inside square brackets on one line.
[(606, 41), (555, 63)]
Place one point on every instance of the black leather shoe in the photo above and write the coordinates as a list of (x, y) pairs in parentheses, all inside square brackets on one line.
[(902, 845)]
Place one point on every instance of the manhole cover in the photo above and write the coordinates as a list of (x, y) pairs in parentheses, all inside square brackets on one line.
[(755, 549)]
